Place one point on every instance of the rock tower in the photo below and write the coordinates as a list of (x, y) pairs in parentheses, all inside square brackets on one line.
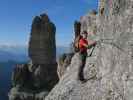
[(34, 80)]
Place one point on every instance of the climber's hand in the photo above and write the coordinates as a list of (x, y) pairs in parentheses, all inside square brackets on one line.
[(89, 46), (92, 45)]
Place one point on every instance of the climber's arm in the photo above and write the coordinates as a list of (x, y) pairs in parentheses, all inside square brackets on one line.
[(85, 45), (91, 44)]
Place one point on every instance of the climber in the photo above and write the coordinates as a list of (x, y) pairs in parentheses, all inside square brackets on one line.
[(83, 46)]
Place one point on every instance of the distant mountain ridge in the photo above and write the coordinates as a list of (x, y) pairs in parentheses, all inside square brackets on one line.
[(20, 53), (13, 53)]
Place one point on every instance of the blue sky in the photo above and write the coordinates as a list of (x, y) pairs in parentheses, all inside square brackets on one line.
[(16, 18)]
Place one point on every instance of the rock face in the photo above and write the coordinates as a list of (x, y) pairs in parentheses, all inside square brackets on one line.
[(42, 48), (63, 62), (34, 80), (88, 22), (110, 68), (77, 28)]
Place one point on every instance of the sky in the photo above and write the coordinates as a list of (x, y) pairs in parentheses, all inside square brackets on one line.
[(16, 18)]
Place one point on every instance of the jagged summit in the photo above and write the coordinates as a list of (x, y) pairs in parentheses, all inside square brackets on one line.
[(45, 17), (34, 80), (42, 47)]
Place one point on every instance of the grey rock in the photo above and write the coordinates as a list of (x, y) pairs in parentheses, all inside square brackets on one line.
[(110, 68), (42, 47), (17, 94), (42, 51), (88, 22), (77, 28), (63, 63), (21, 75), (45, 76), (34, 80)]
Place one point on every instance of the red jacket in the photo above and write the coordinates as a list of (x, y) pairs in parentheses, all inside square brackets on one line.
[(81, 45)]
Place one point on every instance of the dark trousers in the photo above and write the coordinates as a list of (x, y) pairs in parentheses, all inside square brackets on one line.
[(83, 56)]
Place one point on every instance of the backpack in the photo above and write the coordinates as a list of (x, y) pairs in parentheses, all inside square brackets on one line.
[(76, 43)]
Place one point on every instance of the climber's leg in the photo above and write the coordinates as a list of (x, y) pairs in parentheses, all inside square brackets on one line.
[(81, 68), (81, 76)]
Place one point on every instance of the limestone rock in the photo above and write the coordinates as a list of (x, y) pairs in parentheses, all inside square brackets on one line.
[(45, 76), (77, 28), (110, 68), (17, 94), (88, 22), (20, 75), (63, 63), (42, 48), (34, 80)]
